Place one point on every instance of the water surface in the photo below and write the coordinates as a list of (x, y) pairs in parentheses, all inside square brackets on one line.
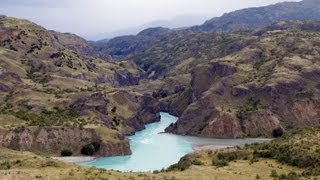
[(153, 150)]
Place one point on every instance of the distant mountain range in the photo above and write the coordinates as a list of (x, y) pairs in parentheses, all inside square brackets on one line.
[(237, 20), (263, 16), (244, 19), (177, 22)]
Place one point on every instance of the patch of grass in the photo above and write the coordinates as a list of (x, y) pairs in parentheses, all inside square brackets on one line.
[(296, 149), (45, 118)]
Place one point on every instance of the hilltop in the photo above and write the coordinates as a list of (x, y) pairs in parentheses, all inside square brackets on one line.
[(145, 50), (259, 17)]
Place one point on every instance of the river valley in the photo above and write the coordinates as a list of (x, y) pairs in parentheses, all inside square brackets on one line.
[(153, 150)]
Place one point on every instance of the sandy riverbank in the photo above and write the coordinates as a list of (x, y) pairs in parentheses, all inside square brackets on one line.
[(75, 159), (209, 147)]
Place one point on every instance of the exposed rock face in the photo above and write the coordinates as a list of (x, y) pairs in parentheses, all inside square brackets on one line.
[(203, 119), (96, 102), (261, 123), (222, 125), (125, 78), (177, 103), (223, 109), (4, 88), (252, 92), (53, 140), (148, 112), (114, 149), (78, 45), (204, 76)]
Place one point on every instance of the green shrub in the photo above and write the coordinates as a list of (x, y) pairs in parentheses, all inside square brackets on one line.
[(90, 149), (45, 118), (161, 93), (114, 109), (66, 152), (277, 132), (253, 160), (262, 153), (290, 176), (252, 105), (274, 173), (220, 162), (197, 162), (156, 172), (232, 155), (182, 165)]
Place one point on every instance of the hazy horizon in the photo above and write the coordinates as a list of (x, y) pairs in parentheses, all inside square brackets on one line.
[(95, 19)]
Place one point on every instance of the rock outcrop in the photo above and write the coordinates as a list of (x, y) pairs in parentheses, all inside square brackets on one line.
[(50, 140)]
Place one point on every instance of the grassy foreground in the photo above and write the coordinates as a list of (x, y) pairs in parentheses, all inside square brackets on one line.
[(295, 156), (25, 165)]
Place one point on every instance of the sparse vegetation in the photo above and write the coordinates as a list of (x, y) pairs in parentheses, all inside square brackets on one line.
[(251, 106), (45, 118)]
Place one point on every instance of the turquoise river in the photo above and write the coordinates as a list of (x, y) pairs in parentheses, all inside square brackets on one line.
[(154, 150)]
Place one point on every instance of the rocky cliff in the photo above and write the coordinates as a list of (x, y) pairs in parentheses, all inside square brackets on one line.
[(272, 83), (52, 141)]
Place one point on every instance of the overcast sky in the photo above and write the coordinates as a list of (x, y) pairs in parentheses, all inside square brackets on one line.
[(89, 17)]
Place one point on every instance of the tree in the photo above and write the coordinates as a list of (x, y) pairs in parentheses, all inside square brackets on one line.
[(277, 132), (66, 152)]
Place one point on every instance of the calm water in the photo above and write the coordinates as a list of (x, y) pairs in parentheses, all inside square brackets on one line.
[(153, 150)]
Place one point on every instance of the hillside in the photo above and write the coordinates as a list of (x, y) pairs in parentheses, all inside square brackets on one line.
[(259, 17), (128, 45), (159, 51), (237, 84), (271, 83), (299, 149), (54, 88)]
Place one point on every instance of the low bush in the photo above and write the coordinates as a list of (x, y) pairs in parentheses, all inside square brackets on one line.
[(90, 149), (183, 164), (220, 162), (277, 132), (66, 152), (274, 173), (197, 162)]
